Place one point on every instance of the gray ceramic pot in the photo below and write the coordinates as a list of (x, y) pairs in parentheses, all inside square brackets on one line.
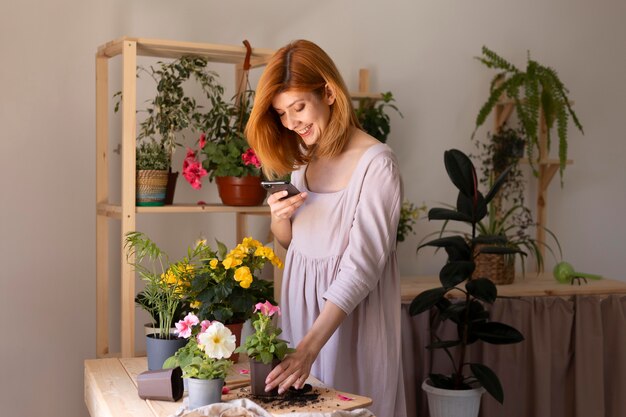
[(258, 372), (158, 350), (204, 391)]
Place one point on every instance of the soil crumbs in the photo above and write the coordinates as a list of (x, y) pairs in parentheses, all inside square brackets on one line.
[(308, 397)]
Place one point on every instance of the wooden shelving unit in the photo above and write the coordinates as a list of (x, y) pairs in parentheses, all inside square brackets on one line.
[(126, 212), (546, 166)]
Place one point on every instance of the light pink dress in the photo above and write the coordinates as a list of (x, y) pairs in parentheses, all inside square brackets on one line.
[(344, 250)]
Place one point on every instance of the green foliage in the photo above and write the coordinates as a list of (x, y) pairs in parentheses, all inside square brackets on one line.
[(172, 110), (469, 314), (223, 126), (409, 214), (537, 89), (166, 284), (152, 155), (222, 293), (264, 344), (195, 363), (374, 118)]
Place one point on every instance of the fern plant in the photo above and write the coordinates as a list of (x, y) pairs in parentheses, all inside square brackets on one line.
[(536, 90)]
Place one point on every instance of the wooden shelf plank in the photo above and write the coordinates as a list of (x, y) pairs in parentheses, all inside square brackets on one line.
[(160, 48)]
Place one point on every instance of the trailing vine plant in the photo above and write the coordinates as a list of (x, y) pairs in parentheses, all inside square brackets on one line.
[(536, 90)]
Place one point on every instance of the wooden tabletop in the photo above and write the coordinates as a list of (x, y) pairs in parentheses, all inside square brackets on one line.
[(531, 285), (111, 391)]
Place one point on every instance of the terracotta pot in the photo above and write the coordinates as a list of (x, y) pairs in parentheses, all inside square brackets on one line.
[(258, 373), (241, 191), (235, 329)]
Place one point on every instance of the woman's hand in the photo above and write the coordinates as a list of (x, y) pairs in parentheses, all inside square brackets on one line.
[(283, 208), (293, 370)]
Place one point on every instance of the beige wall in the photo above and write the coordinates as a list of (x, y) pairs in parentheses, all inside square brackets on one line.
[(420, 50)]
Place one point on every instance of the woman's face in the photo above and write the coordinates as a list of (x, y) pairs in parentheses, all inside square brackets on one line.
[(305, 113)]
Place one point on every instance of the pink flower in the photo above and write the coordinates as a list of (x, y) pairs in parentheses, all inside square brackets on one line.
[(192, 170), (202, 141), (266, 308), (184, 326), (204, 325), (250, 158)]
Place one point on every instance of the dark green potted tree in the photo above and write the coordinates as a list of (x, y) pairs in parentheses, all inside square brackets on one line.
[(468, 313)]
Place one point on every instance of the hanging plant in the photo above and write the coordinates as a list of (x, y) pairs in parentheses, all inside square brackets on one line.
[(536, 90)]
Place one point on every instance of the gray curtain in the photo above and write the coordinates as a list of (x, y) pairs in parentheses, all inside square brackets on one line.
[(572, 363)]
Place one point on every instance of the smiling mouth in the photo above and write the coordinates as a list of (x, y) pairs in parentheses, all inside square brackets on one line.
[(304, 131)]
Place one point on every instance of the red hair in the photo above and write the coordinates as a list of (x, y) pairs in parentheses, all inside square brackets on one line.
[(299, 66)]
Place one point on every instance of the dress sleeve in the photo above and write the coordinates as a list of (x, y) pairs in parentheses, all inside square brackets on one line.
[(372, 236)]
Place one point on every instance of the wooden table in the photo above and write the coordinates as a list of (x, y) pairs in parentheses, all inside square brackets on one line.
[(111, 391), (531, 285)]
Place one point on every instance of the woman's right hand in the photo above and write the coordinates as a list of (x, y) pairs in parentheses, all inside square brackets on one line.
[(283, 208)]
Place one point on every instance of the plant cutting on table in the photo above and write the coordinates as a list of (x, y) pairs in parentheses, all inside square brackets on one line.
[(469, 313)]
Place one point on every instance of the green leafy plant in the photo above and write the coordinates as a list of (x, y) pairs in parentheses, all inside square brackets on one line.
[(226, 288), (152, 155), (166, 283), (373, 117), (534, 91), (409, 214), (209, 345), (172, 110), (469, 313), (264, 345), (508, 217)]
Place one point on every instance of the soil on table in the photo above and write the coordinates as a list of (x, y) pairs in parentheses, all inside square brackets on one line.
[(307, 397)]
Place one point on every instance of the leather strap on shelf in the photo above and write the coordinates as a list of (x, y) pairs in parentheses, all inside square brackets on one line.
[(246, 61)]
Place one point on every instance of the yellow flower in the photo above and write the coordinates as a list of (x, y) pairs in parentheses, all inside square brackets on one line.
[(195, 304), (213, 263), (248, 242), (243, 276)]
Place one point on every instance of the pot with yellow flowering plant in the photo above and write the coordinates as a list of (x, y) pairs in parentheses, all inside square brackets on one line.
[(227, 288), (166, 289), (264, 348)]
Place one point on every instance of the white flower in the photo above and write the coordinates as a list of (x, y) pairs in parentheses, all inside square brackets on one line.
[(217, 341)]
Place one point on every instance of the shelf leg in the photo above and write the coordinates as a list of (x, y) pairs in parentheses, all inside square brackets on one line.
[(129, 105), (102, 196)]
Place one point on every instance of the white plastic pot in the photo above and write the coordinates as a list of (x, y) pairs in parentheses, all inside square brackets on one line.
[(452, 403)]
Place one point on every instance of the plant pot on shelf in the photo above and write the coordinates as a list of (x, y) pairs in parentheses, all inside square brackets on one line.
[(241, 191), (204, 391), (151, 186), (452, 403), (258, 373), (500, 269), (172, 177), (158, 350)]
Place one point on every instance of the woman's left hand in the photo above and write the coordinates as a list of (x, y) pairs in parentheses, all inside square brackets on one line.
[(292, 371)]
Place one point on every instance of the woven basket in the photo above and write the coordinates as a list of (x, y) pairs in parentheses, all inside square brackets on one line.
[(498, 268), (151, 187)]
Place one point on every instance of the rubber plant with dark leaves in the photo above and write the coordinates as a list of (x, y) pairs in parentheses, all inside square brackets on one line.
[(468, 313)]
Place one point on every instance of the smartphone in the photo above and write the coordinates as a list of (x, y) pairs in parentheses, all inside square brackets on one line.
[(275, 186)]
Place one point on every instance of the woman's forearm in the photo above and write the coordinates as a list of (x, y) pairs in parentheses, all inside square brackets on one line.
[(281, 229)]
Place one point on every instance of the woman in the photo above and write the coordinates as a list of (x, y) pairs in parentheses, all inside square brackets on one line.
[(340, 296)]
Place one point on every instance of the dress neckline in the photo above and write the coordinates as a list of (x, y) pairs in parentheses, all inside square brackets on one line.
[(362, 160)]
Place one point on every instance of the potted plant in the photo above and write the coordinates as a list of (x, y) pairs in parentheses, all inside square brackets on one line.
[(172, 110), (544, 98), (226, 289), (508, 215), (224, 154), (166, 289), (264, 348), (409, 214), (469, 313), (204, 360), (152, 165)]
